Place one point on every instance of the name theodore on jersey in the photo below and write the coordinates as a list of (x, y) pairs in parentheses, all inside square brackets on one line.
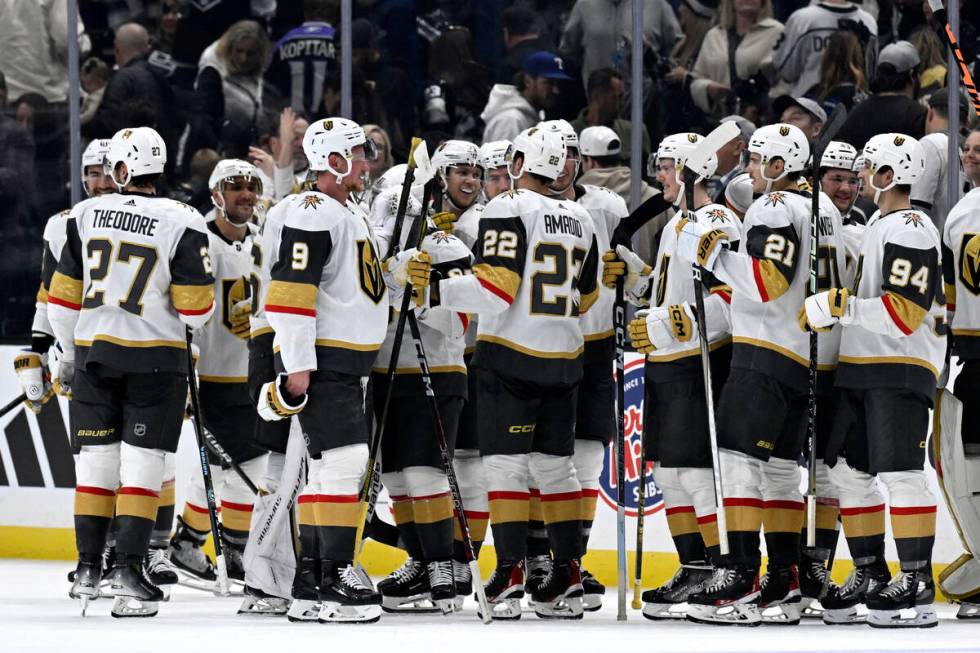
[(125, 221), (562, 224)]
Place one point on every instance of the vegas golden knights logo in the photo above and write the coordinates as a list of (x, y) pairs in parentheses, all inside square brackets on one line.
[(692, 138), (899, 140), (369, 269), (784, 130), (232, 292), (970, 262), (662, 280)]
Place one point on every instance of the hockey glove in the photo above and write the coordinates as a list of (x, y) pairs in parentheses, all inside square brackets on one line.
[(273, 404), (658, 328), (445, 221), (826, 308), (699, 245), (35, 379), (66, 372), (624, 263), (239, 317), (410, 266)]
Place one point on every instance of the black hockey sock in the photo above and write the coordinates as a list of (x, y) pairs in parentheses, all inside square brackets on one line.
[(93, 513), (165, 516), (136, 511), (684, 531), (434, 525)]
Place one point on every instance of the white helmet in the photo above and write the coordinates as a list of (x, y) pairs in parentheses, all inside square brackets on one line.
[(229, 169), (543, 151), (679, 147), (564, 128), (393, 176), (94, 155), (780, 141), (141, 149), (334, 136), (494, 154), (455, 153), (903, 154), (838, 155)]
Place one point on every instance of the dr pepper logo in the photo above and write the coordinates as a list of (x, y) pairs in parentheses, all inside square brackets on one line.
[(608, 483)]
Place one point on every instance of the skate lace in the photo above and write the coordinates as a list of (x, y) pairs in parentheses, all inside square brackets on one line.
[(818, 571), (406, 571), (160, 561), (441, 573), (675, 580), (854, 580), (350, 578), (720, 578), (898, 586)]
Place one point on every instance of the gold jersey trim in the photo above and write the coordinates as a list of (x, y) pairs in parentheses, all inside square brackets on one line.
[(888, 360), (687, 353), (122, 342), (741, 340), (503, 342)]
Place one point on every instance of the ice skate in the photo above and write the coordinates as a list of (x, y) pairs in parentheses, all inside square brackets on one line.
[(233, 547), (538, 568), (305, 605), (779, 596), (969, 607), (407, 590), (559, 595), (505, 589), (593, 592), (258, 603), (85, 583), (442, 586), (345, 598), (841, 603), (906, 602), (463, 578), (728, 598), (814, 584), (669, 601), (136, 595), (195, 567)]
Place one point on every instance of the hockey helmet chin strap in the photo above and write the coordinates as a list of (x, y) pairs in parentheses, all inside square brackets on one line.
[(879, 191), (771, 180), (120, 184), (679, 178)]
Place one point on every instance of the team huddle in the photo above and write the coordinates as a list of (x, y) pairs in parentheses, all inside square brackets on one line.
[(287, 334)]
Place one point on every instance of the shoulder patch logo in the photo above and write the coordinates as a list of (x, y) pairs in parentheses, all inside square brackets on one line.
[(440, 237), (899, 141), (969, 271), (912, 218), (369, 271), (772, 199), (717, 215), (312, 201)]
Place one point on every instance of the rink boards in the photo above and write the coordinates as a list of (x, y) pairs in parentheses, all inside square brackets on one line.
[(37, 480)]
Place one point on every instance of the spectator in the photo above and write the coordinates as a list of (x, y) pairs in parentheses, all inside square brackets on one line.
[(842, 78), (893, 107), (200, 24), (194, 191), (607, 93), (302, 57), (16, 173), (677, 111), (747, 28), (802, 112), (166, 35), (598, 32), (382, 144), (601, 151), (798, 53), (521, 39), (931, 192), (463, 83), (730, 163), (695, 17), (512, 109), (971, 158), (94, 76), (932, 54), (280, 157)]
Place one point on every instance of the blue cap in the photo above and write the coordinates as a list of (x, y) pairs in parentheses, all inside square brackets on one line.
[(544, 64)]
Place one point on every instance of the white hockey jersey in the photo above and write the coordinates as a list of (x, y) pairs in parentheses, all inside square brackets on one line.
[(961, 272), (223, 340), (326, 300), (768, 277), (467, 228), (384, 210), (55, 235), (265, 253), (536, 270), (134, 271), (897, 338), (806, 35), (672, 282), (606, 209)]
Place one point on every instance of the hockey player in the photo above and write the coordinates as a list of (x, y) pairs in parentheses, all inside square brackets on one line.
[(460, 178), (761, 416), (838, 179), (133, 272), (493, 158), (328, 305), (675, 422), (226, 410), (891, 352), (411, 460), (958, 445), (535, 272)]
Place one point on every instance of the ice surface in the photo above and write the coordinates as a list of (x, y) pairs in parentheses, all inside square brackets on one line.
[(37, 615)]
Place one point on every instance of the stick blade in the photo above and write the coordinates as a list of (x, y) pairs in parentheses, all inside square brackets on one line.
[(720, 135), (424, 171)]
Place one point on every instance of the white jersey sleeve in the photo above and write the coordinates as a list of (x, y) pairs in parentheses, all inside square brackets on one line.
[(961, 273), (606, 209), (55, 235)]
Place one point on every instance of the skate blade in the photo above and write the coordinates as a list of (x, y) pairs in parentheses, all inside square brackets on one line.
[(592, 602), (782, 614), (348, 614), (446, 606), (124, 607), (921, 616), (415, 604), (563, 608), (665, 611), (263, 606), (458, 603), (186, 579), (844, 616), (84, 604), (735, 614), (503, 610), (166, 591), (810, 608), (968, 611), (303, 611)]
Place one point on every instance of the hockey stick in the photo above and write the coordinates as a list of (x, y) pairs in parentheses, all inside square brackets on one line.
[(829, 131), (619, 326), (641, 506), (13, 404), (942, 24), (370, 488), (225, 457), (202, 450), (705, 150), (447, 463)]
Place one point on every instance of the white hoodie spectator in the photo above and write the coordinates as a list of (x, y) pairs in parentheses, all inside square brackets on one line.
[(512, 109)]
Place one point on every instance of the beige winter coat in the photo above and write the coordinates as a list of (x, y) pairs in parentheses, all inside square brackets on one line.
[(754, 53)]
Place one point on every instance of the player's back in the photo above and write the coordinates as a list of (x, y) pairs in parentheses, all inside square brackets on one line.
[(540, 255), (143, 261)]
